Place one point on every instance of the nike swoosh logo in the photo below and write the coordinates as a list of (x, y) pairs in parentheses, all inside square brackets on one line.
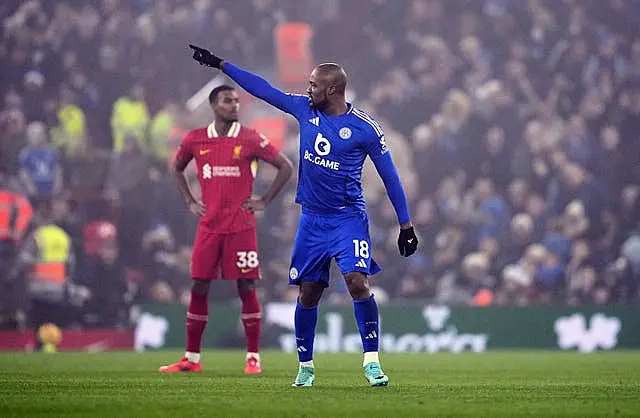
[(410, 240), (204, 151)]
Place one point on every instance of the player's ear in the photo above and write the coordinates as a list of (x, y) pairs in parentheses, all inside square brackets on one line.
[(331, 90)]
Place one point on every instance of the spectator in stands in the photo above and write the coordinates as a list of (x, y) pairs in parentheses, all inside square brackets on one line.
[(72, 125), (625, 272), (16, 215), (46, 265), (12, 132), (112, 82), (166, 263), (128, 186), (628, 213), (583, 287), (463, 286), (417, 282), (104, 276), (40, 167), (86, 93), (521, 236), (609, 161), (550, 275), (578, 142), (591, 202), (33, 96), (88, 169), (130, 117), (164, 133), (517, 193), (515, 287), (495, 159), (488, 213)]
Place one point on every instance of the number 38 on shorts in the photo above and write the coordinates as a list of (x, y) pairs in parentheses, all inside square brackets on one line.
[(236, 255), (247, 259)]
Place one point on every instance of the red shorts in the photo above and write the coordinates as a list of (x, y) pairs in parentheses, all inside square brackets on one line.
[(235, 253)]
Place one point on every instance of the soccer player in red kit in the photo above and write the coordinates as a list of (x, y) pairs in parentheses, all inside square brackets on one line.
[(225, 154)]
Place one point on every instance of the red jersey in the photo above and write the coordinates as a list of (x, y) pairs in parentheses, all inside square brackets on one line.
[(226, 169)]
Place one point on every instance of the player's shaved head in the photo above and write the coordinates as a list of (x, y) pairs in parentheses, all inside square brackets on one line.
[(334, 74), (327, 87)]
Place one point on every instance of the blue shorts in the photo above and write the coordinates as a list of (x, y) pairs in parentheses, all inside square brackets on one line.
[(320, 238)]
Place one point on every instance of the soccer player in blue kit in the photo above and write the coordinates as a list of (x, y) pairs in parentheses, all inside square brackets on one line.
[(335, 139)]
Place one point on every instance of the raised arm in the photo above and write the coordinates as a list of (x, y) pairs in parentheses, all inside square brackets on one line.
[(260, 88), (252, 83)]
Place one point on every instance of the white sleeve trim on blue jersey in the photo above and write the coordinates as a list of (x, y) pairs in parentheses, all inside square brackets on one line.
[(387, 169), (369, 120)]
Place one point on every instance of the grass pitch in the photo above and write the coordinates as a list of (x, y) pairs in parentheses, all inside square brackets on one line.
[(496, 384)]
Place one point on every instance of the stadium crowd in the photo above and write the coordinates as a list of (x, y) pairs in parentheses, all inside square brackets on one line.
[(514, 125)]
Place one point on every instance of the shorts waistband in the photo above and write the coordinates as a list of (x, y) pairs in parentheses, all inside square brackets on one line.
[(348, 211)]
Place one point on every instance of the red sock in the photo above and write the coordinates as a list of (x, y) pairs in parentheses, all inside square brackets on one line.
[(197, 317), (251, 319)]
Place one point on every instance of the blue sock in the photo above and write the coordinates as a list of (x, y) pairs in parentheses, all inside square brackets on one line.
[(366, 313), (305, 322)]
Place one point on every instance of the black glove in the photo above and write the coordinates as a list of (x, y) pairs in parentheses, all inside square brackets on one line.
[(407, 242), (205, 57)]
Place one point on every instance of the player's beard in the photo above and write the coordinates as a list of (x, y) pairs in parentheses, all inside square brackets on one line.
[(319, 103), (231, 118)]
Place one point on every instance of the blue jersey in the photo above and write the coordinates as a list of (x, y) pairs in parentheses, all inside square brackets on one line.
[(41, 164), (332, 151)]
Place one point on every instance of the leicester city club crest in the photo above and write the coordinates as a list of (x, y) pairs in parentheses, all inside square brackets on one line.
[(345, 133)]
